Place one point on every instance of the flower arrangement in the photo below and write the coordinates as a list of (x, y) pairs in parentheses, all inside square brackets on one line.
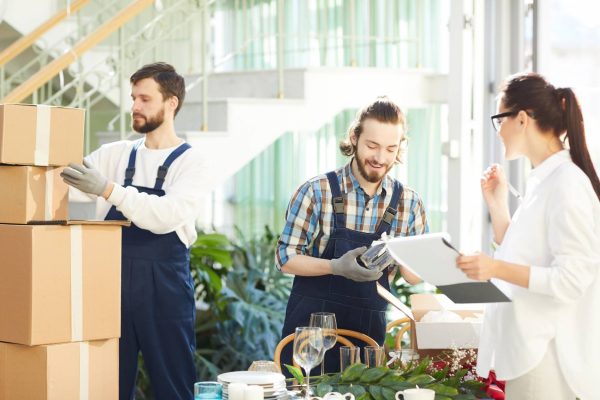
[(451, 375)]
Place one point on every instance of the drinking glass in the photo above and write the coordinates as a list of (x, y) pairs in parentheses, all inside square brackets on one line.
[(408, 356), (308, 350), (348, 356), (374, 356), (208, 391), (325, 321)]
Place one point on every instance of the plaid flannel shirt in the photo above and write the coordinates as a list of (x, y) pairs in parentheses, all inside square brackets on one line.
[(310, 216)]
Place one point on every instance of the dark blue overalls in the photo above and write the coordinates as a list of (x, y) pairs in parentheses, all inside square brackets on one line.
[(356, 305), (157, 302)]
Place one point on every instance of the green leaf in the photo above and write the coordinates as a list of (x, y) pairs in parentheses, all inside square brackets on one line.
[(421, 367), (461, 373), (212, 240), (215, 280), (356, 390), (296, 373), (475, 384), (365, 396), (465, 396), (375, 391), (443, 389), (372, 375), (388, 393), (394, 382), (353, 372), (442, 397), (441, 374), (323, 388), (422, 379)]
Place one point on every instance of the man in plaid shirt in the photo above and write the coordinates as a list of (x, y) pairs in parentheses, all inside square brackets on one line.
[(333, 218)]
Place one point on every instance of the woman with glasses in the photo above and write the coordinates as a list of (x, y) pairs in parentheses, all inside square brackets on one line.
[(546, 341)]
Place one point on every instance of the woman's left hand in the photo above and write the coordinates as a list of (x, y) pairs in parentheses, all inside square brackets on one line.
[(479, 267)]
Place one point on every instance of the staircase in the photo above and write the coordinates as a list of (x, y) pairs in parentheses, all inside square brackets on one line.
[(245, 117), (247, 111)]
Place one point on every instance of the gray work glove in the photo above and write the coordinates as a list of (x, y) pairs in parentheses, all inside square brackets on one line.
[(85, 178), (347, 267)]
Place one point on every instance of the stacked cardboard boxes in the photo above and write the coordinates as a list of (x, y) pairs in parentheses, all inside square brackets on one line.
[(59, 282)]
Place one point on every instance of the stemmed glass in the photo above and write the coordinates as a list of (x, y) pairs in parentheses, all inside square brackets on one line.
[(308, 350), (325, 321)]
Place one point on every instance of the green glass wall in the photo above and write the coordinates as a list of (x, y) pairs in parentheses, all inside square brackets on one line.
[(404, 34)]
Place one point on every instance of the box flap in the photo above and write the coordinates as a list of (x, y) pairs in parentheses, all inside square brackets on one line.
[(82, 222), (424, 302), (393, 300)]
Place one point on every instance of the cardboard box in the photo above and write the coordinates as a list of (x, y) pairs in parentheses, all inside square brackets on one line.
[(32, 194), (438, 335), (445, 335), (59, 284), (41, 135), (73, 371)]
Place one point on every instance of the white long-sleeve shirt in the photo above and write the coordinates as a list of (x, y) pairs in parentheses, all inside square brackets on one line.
[(556, 231), (176, 211)]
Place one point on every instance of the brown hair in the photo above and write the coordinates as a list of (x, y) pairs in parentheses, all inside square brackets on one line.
[(555, 110), (383, 110), (170, 83)]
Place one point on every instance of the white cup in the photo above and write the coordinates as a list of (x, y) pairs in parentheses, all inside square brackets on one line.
[(235, 390), (416, 394), (254, 392)]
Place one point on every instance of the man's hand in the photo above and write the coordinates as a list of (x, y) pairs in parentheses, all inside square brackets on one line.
[(347, 267), (85, 178)]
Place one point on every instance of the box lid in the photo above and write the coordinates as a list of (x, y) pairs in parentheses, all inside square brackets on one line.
[(424, 302)]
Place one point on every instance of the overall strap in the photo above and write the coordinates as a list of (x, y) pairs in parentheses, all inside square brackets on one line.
[(338, 200), (130, 171), (391, 210), (163, 169)]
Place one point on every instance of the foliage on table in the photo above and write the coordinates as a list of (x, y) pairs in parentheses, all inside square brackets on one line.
[(380, 383)]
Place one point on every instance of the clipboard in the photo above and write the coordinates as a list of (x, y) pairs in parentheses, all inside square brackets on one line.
[(432, 257)]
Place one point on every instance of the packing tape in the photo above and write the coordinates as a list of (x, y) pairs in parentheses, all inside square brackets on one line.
[(48, 206), (84, 371), (76, 284), (42, 135)]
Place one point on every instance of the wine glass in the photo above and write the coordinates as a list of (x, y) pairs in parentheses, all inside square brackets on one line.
[(325, 321), (308, 350)]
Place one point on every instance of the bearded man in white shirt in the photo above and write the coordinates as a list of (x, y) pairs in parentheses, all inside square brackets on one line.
[(546, 342), (154, 182)]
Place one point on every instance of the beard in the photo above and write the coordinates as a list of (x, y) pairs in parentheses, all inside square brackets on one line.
[(148, 124), (374, 176)]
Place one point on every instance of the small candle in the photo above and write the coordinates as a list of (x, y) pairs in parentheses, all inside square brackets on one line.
[(254, 392), (235, 391)]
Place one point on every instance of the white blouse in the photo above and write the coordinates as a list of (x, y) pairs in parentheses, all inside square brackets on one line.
[(556, 231)]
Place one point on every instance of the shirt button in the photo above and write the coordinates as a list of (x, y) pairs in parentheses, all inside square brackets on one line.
[(367, 208)]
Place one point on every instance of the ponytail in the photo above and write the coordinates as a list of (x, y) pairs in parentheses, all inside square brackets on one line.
[(573, 121)]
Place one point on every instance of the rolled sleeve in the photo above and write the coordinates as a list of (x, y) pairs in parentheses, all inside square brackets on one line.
[(301, 223)]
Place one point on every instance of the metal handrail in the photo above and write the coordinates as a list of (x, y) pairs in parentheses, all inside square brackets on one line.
[(26, 41), (41, 77), (54, 50)]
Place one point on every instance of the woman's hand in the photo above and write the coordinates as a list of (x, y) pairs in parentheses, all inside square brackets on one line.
[(494, 187), (479, 266)]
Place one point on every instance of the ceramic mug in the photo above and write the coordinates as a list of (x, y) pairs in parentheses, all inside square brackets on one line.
[(335, 396), (416, 394)]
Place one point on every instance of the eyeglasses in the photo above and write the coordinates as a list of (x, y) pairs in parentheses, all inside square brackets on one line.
[(499, 118)]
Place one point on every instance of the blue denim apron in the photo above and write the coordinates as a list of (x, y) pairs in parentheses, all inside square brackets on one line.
[(356, 305), (157, 302)]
